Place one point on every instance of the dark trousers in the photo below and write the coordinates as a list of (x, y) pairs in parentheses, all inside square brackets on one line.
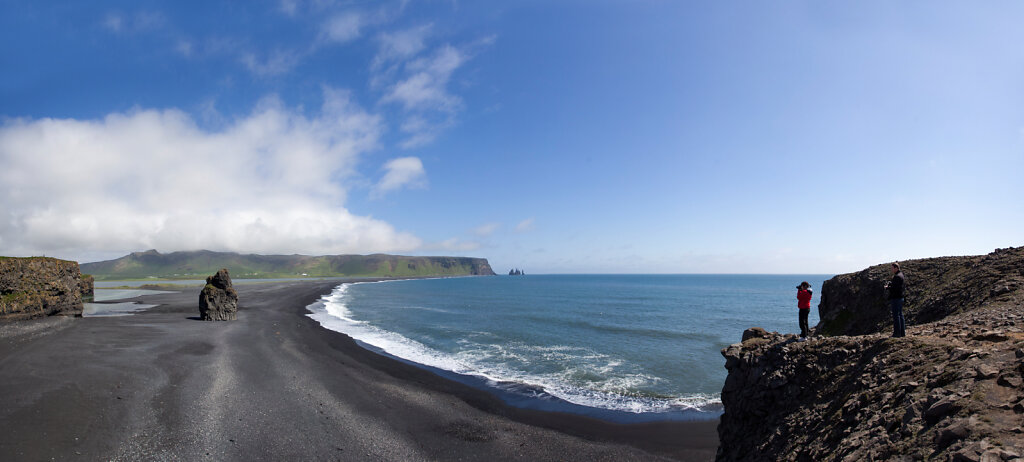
[(804, 330), (899, 326)]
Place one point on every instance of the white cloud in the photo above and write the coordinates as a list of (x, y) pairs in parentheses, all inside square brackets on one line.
[(270, 182), (402, 44), (525, 225), (453, 245), (289, 7), (401, 172), (340, 28), (422, 93), (184, 48), (276, 62), (418, 81), (113, 22), (426, 86), (343, 27), (422, 130), (486, 229), (142, 21)]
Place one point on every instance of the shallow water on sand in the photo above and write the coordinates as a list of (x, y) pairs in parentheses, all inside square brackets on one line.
[(102, 295), (93, 310)]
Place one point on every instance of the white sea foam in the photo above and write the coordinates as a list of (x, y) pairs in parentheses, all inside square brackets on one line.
[(606, 386), (332, 313)]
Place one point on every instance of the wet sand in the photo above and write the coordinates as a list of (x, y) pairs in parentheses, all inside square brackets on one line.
[(272, 385)]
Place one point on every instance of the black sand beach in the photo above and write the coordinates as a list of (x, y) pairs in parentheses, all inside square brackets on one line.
[(273, 385)]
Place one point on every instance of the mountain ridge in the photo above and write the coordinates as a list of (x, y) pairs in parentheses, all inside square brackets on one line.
[(200, 263)]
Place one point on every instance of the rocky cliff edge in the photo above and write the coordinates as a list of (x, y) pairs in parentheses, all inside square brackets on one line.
[(854, 304), (951, 390)]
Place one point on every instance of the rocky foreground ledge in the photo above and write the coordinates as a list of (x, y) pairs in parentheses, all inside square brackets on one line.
[(951, 390)]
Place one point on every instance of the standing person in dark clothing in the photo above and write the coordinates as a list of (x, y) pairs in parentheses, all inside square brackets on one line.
[(896, 288), (803, 303)]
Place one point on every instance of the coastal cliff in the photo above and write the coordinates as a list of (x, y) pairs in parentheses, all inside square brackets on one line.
[(199, 264), (951, 390), (39, 286)]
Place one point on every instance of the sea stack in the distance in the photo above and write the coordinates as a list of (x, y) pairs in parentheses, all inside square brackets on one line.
[(218, 301)]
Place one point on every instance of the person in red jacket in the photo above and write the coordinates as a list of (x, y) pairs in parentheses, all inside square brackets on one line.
[(803, 303)]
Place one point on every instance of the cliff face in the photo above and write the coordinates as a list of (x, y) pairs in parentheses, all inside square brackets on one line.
[(403, 266), (953, 389), (854, 304), (39, 286)]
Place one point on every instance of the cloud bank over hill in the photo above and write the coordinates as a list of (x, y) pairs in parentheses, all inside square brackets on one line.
[(274, 181)]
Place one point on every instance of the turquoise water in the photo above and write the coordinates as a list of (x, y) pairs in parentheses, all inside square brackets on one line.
[(628, 344)]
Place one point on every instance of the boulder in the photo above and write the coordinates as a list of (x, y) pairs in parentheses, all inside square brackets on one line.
[(942, 408), (754, 332), (218, 301)]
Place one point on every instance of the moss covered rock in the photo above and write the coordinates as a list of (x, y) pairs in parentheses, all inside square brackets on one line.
[(39, 286)]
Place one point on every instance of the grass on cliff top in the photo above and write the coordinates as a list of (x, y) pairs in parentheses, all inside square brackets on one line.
[(36, 258)]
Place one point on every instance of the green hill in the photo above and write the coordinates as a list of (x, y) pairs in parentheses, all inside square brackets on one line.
[(202, 263)]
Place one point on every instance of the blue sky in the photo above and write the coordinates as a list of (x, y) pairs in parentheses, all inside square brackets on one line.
[(573, 136)]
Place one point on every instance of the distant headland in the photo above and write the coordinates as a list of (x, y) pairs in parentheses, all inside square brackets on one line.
[(199, 264)]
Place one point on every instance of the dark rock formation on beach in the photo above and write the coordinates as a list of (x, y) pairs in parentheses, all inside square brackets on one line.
[(953, 389), (39, 286), (854, 304), (218, 301)]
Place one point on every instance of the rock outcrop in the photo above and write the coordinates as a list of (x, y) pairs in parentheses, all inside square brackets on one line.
[(87, 287), (39, 286), (854, 304), (953, 389), (218, 301)]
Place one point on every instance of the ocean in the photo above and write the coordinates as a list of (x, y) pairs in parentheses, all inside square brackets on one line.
[(626, 348)]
